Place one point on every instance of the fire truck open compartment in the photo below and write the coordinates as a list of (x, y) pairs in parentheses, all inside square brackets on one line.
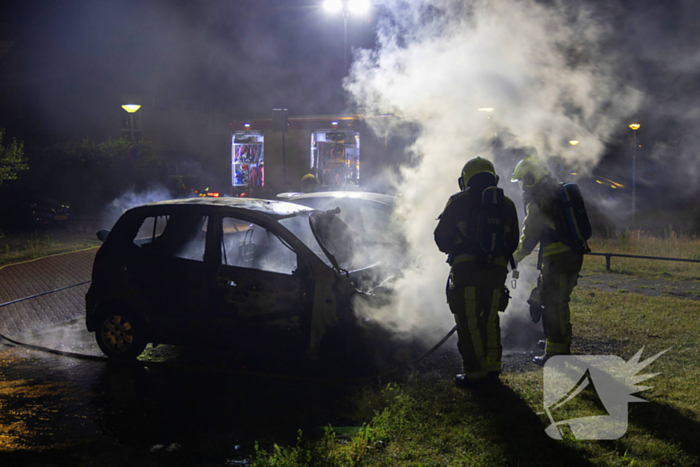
[(335, 158), (326, 146), (247, 162)]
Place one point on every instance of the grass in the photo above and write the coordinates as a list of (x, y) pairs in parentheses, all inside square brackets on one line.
[(15, 248), (637, 242), (423, 420), (426, 421)]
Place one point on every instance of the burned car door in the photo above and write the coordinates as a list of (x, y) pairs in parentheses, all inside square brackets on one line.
[(169, 267), (262, 285)]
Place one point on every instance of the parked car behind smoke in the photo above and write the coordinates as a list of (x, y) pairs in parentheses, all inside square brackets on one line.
[(250, 273), (21, 210)]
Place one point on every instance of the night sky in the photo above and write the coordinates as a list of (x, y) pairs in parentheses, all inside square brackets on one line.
[(59, 59), (241, 57)]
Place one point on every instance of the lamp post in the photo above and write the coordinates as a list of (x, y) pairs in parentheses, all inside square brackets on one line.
[(131, 109), (346, 7), (634, 127)]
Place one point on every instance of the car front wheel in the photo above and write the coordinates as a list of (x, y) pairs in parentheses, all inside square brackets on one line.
[(120, 335)]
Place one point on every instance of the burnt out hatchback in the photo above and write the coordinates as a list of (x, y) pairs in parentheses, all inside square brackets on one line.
[(247, 273)]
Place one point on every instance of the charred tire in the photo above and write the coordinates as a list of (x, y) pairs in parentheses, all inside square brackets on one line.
[(120, 334)]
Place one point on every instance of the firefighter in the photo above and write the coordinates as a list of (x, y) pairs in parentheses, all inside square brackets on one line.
[(559, 265), (310, 183), (476, 283)]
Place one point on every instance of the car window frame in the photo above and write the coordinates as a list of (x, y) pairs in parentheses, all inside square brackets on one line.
[(127, 227)]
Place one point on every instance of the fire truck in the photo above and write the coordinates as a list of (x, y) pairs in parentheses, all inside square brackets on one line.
[(345, 152)]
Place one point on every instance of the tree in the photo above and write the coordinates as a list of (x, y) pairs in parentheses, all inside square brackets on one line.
[(88, 175), (12, 159)]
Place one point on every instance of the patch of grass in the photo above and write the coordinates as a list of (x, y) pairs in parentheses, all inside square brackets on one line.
[(15, 248), (426, 421), (637, 242)]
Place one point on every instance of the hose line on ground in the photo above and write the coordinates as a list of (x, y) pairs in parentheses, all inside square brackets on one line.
[(43, 293)]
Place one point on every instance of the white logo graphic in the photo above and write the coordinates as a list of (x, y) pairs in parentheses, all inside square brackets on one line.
[(611, 378)]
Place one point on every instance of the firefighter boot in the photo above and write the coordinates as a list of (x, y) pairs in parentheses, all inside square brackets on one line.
[(462, 381), (541, 359)]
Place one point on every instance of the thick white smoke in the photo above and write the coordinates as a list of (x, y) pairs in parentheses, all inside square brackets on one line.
[(112, 212), (437, 62)]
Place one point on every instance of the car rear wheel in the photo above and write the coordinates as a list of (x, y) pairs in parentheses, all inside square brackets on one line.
[(120, 335)]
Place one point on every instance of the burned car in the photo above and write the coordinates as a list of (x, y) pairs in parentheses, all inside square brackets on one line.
[(237, 272)]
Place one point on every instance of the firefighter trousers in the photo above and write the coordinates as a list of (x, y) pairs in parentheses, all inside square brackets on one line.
[(558, 277), (474, 294)]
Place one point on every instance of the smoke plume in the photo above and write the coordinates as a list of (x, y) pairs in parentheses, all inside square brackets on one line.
[(539, 66), (111, 213)]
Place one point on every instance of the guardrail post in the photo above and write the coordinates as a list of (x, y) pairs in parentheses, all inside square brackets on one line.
[(607, 262)]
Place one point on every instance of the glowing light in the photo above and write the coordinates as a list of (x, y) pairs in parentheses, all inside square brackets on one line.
[(612, 182), (635, 126), (486, 109), (131, 108), (332, 6), (573, 142), (334, 123), (247, 125), (358, 7)]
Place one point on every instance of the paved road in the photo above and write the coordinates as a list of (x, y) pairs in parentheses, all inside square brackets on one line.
[(39, 276)]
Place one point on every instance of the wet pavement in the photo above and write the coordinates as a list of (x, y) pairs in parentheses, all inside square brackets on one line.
[(59, 273)]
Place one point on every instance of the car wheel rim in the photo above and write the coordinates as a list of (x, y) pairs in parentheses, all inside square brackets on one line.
[(117, 333)]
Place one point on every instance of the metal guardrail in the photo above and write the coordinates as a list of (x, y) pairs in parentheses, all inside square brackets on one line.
[(610, 255)]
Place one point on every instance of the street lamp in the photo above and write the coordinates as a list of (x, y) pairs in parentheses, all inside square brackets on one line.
[(131, 109), (346, 7), (573, 142), (634, 127)]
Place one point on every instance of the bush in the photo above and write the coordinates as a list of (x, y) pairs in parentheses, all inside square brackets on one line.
[(87, 175)]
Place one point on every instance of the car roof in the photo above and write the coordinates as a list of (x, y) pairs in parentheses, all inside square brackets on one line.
[(277, 209), (387, 200)]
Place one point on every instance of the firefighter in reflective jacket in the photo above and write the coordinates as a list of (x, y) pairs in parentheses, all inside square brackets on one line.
[(310, 183), (476, 283), (559, 265)]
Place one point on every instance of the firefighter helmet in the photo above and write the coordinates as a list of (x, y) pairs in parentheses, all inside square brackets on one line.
[(473, 167), (530, 171)]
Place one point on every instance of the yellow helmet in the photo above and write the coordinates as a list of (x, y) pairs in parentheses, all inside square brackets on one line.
[(530, 171), (473, 167), (310, 183)]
